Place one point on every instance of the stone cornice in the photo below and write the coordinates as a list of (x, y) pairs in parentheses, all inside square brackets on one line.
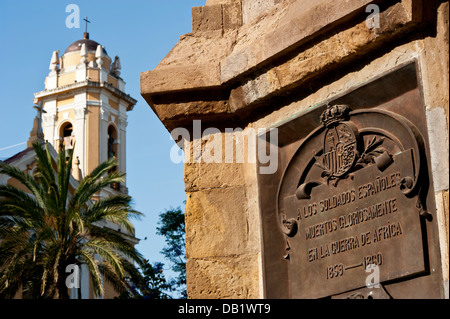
[(210, 75), (89, 84)]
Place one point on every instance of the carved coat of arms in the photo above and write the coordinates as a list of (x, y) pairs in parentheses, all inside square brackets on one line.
[(340, 149)]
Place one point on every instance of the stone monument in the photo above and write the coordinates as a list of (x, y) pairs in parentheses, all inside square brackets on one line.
[(349, 101)]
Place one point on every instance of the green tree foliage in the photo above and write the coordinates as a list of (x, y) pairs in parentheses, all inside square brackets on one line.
[(44, 232), (172, 227), (150, 282)]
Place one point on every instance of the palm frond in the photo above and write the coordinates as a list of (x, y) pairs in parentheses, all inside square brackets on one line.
[(94, 272), (24, 179), (103, 249), (44, 231), (115, 209), (89, 187)]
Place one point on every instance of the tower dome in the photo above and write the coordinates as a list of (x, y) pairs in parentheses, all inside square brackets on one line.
[(91, 45), (85, 51)]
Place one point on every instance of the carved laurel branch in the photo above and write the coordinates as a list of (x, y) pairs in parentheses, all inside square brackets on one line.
[(372, 151)]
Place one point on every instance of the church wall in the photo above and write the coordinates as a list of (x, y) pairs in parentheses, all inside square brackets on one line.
[(62, 117), (65, 101), (91, 96), (113, 104), (66, 79), (107, 63), (13, 182), (90, 57), (93, 136), (93, 75), (113, 81), (70, 59)]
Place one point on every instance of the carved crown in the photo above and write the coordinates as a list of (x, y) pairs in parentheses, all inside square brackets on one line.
[(334, 113)]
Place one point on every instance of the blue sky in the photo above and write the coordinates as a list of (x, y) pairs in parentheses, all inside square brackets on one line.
[(141, 33)]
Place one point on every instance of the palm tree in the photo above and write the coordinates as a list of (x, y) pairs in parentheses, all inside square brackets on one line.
[(48, 229)]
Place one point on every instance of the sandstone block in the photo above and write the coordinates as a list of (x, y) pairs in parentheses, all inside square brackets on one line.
[(212, 2), (223, 278), (187, 111), (185, 77), (319, 58), (253, 8), (219, 215), (282, 29), (232, 15), (207, 18), (212, 175), (438, 133)]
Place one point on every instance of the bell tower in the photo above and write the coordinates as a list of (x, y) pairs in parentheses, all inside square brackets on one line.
[(85, 106)]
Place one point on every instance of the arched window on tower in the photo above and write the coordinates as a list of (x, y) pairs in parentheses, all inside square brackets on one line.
[(112, 151), (112, 142), (66, 134)]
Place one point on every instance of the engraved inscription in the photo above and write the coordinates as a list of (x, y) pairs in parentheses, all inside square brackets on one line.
[(335, 271), (367, 216), (376, 259), (351, 219), (350, 243), (352, 227)]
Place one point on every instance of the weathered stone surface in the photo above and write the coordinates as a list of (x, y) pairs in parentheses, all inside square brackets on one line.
[(226, 265), (217, 16), (186, 77), (211, 214), (211, 175), (223, 278), (213, 2), (207, 18), (290, 23), (183, 113), (309, 62), (252, 9), (232, 15), (435, 52), (442, 203), (438, 133)]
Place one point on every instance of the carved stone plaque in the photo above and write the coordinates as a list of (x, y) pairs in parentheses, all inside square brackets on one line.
[(355, 203), (352, 201), (349, 203)]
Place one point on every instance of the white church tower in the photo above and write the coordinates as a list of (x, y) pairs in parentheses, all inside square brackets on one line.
[(85, 105)]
